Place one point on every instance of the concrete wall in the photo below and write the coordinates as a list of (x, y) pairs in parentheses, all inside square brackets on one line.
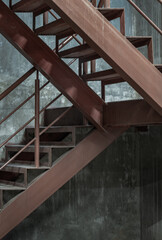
[(105, 200)]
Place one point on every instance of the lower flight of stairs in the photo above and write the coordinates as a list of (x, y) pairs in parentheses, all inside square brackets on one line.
[(69, 150), (56, 141)]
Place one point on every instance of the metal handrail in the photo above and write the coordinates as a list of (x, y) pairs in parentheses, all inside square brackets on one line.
[(29, 121), (145, 16), (17, 83), (160, 1), (22, 104), (29, 143), (102, 2)]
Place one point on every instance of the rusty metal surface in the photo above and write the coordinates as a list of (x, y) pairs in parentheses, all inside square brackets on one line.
[(108, 75), (113, 48), (58, 27), (132, 113), (29, 6), (84, 51), (62, 29), (51, 66), (37, 106), (53, 179)]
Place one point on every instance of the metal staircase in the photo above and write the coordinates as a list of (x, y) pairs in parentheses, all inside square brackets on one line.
[(100, 40)]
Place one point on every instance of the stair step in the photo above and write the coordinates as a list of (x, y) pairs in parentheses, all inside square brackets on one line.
[(31, 148), (62, 29), (30, 6), (54, 136), (28, 154), (109, 76), (18, 167), (10, 187), (72, 118), (87, 53)]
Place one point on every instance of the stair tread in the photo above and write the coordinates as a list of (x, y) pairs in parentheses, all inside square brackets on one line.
[(84, 50), (29, 6), (41, 146), (24, 166), (10, 187), (59, 27), (108, 74), (54, 129)]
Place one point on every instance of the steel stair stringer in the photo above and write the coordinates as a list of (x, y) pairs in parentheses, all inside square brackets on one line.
[(51, 66), (61, 172), (113, 47)]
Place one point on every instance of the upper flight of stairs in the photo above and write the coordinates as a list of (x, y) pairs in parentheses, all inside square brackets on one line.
[(123, 59), (61, 154), (51, 66)]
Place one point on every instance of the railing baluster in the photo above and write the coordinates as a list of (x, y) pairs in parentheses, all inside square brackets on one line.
[(106, 3), (37, 142), (145, 16), (45, 18), (10, 4)]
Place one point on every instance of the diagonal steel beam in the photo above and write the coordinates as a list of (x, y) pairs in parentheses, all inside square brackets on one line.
[(132, 113), (113, 47), (61, 172), (51, 66)]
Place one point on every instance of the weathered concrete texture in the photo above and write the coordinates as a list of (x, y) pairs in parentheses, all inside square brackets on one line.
[(101, 202), (153, 9), (151, 185)]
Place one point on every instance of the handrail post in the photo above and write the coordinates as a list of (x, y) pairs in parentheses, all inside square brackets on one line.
[(10, 4), (106, 3), (45, 18), (93, 62), (37, 141)]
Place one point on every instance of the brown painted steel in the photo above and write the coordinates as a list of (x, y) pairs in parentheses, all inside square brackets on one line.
[(109, 76), (53, 179), (37, 106), (132, 113), (85, 52), (62, 29), (59, 28), (51, 66), (29, 5), (101, 3), (113, 47), (106, 3), (45, 18), (32, 141), (1, 199)]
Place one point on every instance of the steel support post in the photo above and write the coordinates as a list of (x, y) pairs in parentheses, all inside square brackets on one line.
[(37, 121), (106, 3), (45, 18)]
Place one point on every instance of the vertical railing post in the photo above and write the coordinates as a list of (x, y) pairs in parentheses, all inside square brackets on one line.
[(103, 90), (94, 2), (10, 4), (93, 62), (34, 22), (45, 18), (1, 199), (106, 3), (37, 120)]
